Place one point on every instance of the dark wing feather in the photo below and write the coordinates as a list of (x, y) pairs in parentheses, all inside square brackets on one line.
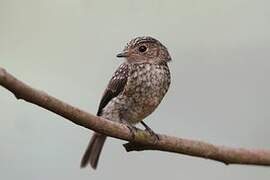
[(115, 86)]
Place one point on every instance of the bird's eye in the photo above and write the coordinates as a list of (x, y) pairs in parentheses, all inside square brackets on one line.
[(142, 48)]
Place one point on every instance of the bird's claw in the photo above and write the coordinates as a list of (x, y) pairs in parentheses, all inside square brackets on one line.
[(153, 134), (131, 128)]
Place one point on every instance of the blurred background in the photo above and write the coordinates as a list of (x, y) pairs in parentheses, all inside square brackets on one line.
[(219, 93)]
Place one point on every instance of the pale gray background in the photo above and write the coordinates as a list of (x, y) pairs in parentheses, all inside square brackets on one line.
[(219, 93)]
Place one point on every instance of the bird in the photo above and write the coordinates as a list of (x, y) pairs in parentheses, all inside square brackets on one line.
[(135, 90)]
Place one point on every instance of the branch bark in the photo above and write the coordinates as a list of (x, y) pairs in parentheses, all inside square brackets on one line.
[(142, 140)]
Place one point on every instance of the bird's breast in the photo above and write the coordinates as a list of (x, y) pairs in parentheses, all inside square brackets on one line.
[(146, 86)]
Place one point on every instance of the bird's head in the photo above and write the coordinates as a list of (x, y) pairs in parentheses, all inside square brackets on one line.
[(145, 49)]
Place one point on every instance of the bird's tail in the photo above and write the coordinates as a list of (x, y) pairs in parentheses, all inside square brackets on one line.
[(93, 151)]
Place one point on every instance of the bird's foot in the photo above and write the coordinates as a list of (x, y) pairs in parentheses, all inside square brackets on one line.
[(153, 134), (131, 128), (150, 131)]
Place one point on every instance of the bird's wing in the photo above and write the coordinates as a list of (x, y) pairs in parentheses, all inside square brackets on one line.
[(115, 86)]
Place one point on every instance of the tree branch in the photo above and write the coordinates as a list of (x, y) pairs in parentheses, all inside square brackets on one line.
[(142, 140)]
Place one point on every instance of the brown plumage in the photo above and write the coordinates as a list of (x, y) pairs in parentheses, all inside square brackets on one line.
[(135, 90)]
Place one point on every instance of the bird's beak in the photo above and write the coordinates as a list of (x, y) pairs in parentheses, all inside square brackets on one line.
[(122, 54)]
